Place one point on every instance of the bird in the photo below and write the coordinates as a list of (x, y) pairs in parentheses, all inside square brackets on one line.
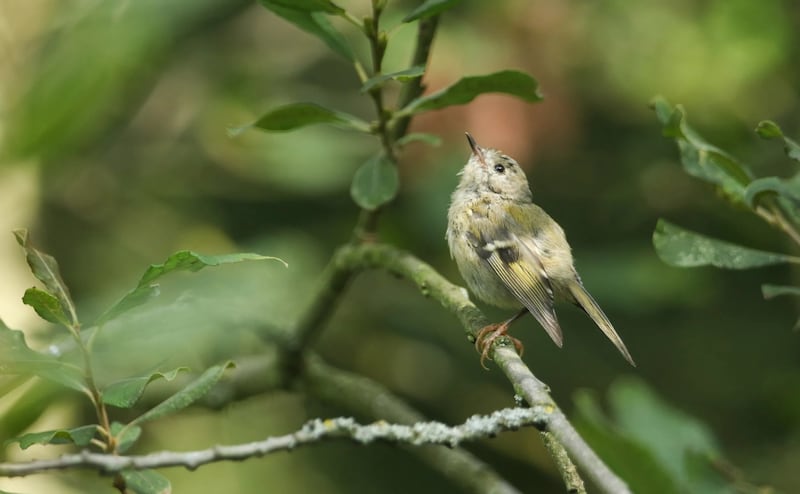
[(511, 253)]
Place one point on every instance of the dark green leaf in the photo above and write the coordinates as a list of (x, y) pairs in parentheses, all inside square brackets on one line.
[(45, 268), (184, 260), (16, 358), (683, 248), (47, 306), (296, 115), (511, 82), (126, 436), (430, 139), (375, 183), (125, 393), (771, 186), (699, 158), (402, 76), (307, 5), (146, 482), (314, 23), (430, 8), (770, 130), (79, 436), (185, 397), (772, 291)]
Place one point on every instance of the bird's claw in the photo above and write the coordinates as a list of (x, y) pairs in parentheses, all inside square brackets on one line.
[(488, 335)]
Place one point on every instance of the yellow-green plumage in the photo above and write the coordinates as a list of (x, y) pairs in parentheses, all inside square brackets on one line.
[(509, 250)]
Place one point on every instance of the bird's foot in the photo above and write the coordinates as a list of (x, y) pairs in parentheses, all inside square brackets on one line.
[(487, 336)]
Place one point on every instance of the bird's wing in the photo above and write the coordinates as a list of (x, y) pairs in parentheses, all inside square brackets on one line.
[(517, 262)]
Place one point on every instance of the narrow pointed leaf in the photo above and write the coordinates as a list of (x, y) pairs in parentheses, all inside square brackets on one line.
[(126, 436), (683, 248), (429, 139), (146, 482), (314, 23), (79, 436), (45, 268), (402, 76), (510, 82), (375, 183), (46, 305), (296, 115), (307, 5), (184, 260), (772, 291), (430, 8), (125, 393), (185, 397), (770, 130)]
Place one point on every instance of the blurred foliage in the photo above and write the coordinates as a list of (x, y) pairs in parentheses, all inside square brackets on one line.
[(115, 113)]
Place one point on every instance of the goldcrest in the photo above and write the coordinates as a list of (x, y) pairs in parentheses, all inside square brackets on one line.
[(511, 253)]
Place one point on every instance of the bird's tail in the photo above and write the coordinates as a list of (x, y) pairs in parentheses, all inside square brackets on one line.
[(587, 303)]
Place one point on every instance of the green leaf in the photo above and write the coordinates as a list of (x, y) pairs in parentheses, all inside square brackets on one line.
[(46, 305), (683, 248), (772, 291), (79, 436), (314, 23), (146, 482), (511, 82), (296, 115), (402, 76), (760, 188), (307, 5), (184, 260), (770, 130), (126, 436), (375, 183), (16, 358), (125, 393), (699, 158), (185, 397), (45, 268), (430, 8), (430, 139)]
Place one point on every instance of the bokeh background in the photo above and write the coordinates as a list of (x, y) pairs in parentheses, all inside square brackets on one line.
[(114, 153)]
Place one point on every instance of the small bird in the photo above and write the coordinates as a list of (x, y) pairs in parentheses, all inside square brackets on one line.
[(511, 253)]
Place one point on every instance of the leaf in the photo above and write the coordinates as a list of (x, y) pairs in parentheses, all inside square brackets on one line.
[(184, 260), (125, 393), (314, 23), (402, 76), (770, 130), (18, 359), (296, 115), (683, 248), (308, 5), (772, 291), (699, 158), (771, 186), (185, 397), (146, 482), (429, 8), (45, 268), (375, 183), (511, 82), (46, 305), (126, 436), (430, 139), (79, 436)]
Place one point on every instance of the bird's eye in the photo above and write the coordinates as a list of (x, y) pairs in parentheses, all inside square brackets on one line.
[(499, 168)]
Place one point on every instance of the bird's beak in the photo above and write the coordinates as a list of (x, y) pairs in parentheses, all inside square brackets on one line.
[(476, 150)]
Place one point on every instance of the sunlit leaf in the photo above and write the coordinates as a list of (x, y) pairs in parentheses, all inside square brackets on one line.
[(402, 76), (770, 130), (430, 139), (307, 5), (510, 82), (125, 393), (125, 436), (314, 23), (146, 482), (296, 115), (683, 248), (79, 436), (430, 8), (375, 183), (186, 396), (46, 305), (772, 291), (45, 268), (699, 158), (184, 260)]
